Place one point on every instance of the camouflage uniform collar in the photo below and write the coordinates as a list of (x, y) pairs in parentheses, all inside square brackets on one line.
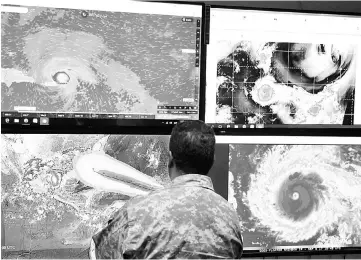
[(193, 180)]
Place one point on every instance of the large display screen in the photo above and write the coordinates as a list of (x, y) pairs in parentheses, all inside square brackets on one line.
[(59, 190), (297, 197), (274, 68), (125, 60)]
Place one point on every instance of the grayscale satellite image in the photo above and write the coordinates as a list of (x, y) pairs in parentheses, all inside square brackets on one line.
[(59, 190), (69, 60)]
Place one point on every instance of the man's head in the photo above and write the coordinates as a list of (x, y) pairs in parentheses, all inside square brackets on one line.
[(191, 147)]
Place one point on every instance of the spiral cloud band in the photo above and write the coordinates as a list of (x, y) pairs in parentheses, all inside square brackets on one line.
[(302, 192)]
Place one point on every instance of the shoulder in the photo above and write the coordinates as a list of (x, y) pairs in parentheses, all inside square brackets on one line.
[(224, 209), (140, 203), (122, 213)]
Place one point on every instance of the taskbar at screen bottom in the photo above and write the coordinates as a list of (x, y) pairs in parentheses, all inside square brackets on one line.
[(225, 126), (183, 114), (86, 125), (280, 130)]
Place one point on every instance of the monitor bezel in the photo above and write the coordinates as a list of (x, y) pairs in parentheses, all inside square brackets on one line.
[(292, 140), (118, 126), (293, 130)]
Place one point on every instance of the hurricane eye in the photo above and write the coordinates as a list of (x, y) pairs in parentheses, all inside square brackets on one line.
[(61, 77)]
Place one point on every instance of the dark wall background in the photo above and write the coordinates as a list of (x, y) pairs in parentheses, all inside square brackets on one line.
[(219, 171)]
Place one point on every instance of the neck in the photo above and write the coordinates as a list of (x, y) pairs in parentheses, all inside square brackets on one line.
[(174, 173)]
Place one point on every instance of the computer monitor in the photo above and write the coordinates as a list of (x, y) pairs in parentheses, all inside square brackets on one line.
[(131, 63), (296, 194), (277, 69), (58, 190)]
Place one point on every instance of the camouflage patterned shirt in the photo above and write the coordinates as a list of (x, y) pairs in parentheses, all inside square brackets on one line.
[(186, 220)]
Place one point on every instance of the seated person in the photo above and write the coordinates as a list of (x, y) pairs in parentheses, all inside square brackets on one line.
[(186, 220)]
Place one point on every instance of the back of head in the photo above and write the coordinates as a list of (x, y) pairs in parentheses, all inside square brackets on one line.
[(192, 146)]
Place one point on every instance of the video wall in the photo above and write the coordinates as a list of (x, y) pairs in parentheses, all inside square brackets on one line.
[(90, 94)]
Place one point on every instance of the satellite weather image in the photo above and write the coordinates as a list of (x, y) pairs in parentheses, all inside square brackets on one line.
[(297, 195), (67, 60), (59, 190), (286, 83)]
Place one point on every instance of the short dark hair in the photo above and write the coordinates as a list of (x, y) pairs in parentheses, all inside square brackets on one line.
[(192, 144)]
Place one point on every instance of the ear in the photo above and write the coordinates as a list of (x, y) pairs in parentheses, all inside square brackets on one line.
[(170, 157)]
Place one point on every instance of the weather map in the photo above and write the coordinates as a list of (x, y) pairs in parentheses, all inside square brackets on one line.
[(59, 190), (261, 82), (69, 60), (297, 195)]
